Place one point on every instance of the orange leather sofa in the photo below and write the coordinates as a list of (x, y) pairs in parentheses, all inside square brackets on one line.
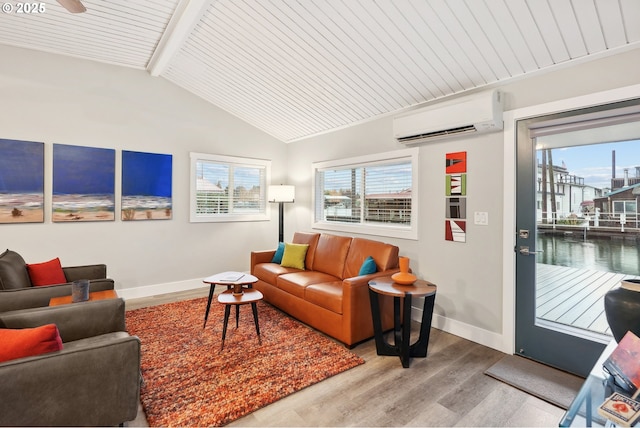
[(328, 294)]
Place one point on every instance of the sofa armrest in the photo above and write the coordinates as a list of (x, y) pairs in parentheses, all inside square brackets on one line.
[(74, 273), (75, 321), (89, 383), (258, 257), (363, 280), (35, 297), (357, 305), (355, 291)]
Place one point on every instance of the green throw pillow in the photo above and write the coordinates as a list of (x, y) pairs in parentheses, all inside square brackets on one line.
[(294, 255), (368, 266), (277, 257)]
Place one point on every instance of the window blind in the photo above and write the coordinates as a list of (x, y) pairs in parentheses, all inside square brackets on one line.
[(226, 188), (376, 193), (579, 122)]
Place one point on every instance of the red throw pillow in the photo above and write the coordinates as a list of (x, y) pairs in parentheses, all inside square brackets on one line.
[(47, 273), (27, 342)]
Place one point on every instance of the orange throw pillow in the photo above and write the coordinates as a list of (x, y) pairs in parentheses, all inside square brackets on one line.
[(27, 342), (47, 273)]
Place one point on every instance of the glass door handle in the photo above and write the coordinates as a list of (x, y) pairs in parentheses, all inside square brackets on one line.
[(524, 250)]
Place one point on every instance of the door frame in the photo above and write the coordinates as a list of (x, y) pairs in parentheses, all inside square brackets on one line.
[(510, 118)]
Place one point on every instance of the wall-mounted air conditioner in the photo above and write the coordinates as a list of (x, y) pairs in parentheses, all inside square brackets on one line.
[(477, 113)]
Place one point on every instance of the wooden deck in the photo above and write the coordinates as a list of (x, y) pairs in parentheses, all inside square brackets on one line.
[(574, 297)]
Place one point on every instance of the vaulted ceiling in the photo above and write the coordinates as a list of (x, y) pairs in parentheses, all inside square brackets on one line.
[(296, 68)]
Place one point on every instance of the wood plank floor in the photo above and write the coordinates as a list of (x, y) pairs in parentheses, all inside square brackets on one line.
[(448, 388)]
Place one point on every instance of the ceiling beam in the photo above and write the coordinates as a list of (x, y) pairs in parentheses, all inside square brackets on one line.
[(183, 21)]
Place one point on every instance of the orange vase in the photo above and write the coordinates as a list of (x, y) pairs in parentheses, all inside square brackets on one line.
[(404, 277)]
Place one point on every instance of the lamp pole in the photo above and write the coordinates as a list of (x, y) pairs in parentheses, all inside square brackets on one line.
[(281, 194), (281, 222)]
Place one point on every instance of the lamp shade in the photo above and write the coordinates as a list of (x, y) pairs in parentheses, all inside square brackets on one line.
[(281, 193)]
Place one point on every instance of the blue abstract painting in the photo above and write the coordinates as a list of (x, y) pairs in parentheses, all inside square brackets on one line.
[(83, 183), (146, 186), (21, 181)]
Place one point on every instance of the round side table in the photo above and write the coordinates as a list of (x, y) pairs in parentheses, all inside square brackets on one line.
[(402, 330), (233, 298), (231, 280)]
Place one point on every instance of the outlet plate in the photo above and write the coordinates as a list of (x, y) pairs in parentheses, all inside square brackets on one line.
[(481, 218)]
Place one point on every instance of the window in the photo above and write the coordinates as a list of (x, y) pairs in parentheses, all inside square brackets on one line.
[(226, 188), (627, 207), (374, 194)]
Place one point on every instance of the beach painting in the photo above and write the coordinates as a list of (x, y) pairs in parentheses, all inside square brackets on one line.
[(146, 186), (83, 183), (21, 181)]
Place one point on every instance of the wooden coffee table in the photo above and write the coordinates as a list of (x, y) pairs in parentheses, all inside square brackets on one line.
[(94, 295), (236, 298), (230, 279)]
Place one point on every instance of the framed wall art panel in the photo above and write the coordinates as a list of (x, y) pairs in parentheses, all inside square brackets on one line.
[(21, 181), (146, 186), (83, 183)]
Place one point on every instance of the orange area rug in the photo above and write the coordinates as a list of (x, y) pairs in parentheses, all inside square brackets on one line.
[(189, 381)]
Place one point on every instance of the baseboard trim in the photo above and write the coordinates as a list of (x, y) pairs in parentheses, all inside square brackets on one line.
[(156, 289), (466, 331)]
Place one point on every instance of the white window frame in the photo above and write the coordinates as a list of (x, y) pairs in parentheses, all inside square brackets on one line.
[(390, 230), (624, 202), (232, 161)]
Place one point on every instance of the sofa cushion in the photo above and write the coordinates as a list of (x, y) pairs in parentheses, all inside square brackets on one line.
[(331, 253), (312, 240), (46, 273), (277, 256), (294, 283), (269, 272), (327, 295), (385, 255), (294, 255), (27, 342), (13, 271)]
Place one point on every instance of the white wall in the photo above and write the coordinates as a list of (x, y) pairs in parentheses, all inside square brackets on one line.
[(472, 294), (62, 100), (55, 99)]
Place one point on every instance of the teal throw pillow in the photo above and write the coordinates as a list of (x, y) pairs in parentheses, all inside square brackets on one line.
[(368, 266), (277, 257)]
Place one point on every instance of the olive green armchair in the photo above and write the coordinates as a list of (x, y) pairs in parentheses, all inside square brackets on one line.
[(17, 291), (93, 381)]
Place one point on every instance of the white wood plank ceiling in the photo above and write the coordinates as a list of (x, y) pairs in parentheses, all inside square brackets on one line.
[(296, 68)]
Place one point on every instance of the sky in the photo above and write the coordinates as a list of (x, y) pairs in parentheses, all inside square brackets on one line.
[(218, 173), (593, 162), (21, 166), (146, 174), (83, 170)]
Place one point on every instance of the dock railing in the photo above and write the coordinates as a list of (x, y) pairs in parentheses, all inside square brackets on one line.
[(597, 221)]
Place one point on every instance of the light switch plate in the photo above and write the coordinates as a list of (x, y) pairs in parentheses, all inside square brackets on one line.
[(481, 218)]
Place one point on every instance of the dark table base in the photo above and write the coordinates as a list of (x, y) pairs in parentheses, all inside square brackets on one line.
[(212, 288), (402, 331)]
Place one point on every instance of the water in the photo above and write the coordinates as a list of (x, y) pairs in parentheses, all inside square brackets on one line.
[(79, 202), (145, 202), (605, 254)]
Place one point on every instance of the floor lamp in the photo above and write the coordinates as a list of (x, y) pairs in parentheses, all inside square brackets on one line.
[(281, 194)]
